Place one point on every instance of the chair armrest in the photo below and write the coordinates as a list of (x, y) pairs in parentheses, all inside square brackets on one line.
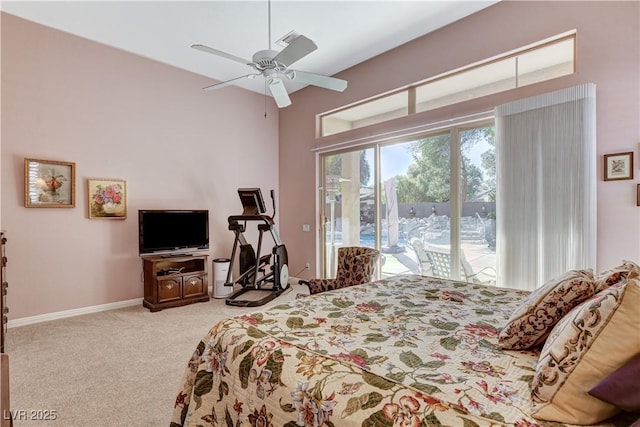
[(489, 268), (321, 285)]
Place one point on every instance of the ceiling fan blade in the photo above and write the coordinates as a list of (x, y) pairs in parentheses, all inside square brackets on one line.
[(229, 82), (297, 49), (279, 92), (326, 82), (217, 52)]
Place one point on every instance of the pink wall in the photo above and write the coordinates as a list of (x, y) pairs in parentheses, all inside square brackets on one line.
[(115, 115), (608, 43), (121, 116)]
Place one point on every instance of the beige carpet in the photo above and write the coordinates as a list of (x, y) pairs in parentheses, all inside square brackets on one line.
[(115, 368)]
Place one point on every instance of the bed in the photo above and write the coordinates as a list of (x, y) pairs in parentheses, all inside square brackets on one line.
[(402, 351)]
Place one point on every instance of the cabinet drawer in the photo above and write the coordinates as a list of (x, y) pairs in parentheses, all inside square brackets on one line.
[(169, 289), (193, 285)]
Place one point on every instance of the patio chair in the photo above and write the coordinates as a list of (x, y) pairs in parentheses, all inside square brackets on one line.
[(355, 266), (437, 263)]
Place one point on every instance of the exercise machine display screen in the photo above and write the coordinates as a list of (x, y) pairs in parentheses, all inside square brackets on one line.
[(252, 201)]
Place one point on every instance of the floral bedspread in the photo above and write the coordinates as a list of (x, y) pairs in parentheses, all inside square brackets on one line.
[(404, 351)]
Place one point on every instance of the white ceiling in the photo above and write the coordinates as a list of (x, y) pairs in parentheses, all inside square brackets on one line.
[(346, 32)]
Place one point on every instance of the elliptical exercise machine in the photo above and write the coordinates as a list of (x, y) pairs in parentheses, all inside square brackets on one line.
[(253, 269)]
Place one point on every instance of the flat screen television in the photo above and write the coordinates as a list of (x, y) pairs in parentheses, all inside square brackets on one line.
[(172, 231)]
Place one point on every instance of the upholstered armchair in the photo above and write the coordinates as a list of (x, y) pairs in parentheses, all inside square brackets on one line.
[(355, 266)]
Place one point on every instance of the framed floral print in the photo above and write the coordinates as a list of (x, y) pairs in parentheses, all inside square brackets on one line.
[(107, 198), (618, 166), (49, 184)]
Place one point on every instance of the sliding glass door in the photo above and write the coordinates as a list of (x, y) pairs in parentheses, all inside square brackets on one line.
[(416, 202), (348, 204), (398, 198), (477, 235)]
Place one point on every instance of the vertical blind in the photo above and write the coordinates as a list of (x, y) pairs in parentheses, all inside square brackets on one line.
[(546, 187)]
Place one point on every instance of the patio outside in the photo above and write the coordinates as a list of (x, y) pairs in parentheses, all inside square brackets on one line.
[(433, 233), (412, 204)]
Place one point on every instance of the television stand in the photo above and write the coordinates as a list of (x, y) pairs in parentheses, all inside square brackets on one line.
[(173, 281), (174, 255)]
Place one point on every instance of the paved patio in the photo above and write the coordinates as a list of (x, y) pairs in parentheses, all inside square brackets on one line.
[(478, 255)]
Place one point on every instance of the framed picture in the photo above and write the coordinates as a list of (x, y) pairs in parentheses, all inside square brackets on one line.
[(107, 198), (638, 195), (618, 166), (49, 184)]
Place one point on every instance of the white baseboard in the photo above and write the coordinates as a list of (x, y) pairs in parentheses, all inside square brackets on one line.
[(74, 312), (92, 309)]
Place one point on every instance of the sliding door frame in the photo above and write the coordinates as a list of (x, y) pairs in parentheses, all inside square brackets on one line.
[(454, 130)]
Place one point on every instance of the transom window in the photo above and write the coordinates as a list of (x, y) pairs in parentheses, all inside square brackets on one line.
[(532, 64)]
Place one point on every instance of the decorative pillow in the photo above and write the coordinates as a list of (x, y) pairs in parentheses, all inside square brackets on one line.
[(627, 270), (621, 388), (532, 321), (586, 346)]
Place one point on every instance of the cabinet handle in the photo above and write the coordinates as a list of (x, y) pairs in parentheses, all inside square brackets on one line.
[(193, 282), (169, 286)]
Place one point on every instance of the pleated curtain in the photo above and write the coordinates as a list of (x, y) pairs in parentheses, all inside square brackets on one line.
[(546, 186)]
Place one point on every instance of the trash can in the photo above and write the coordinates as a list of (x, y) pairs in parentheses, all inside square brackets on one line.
[(220, 270)]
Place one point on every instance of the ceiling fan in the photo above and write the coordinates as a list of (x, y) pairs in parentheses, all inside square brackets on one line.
[(274, 66)]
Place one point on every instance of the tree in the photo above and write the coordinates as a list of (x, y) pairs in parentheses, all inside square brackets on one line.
[(473, 178), (428, 178), (489, 163), (334, 167)]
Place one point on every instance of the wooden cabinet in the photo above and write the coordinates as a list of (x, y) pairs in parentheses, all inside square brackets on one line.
[(5, 407), (4, 318), (193, 285), (175, 281)]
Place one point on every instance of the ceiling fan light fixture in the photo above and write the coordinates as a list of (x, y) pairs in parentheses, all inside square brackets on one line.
[(278, 91)]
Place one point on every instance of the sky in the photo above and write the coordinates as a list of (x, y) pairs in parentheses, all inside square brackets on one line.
[(395, 159)]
